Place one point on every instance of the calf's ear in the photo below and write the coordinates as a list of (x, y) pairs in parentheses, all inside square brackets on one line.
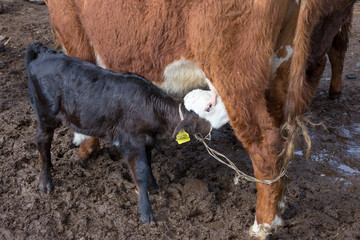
[(186, 125)]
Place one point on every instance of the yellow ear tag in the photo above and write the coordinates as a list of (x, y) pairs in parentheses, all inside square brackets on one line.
[(182, 137)]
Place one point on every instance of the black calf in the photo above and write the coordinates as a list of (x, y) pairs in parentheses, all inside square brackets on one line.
[(124, 109)]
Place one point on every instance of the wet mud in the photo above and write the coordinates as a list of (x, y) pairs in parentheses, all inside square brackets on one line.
[(197, 198)]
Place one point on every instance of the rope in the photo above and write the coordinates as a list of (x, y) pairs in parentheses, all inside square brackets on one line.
[(180, 112), (230, 164)]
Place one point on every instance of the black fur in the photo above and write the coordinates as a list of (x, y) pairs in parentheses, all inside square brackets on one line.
[(125, 108)]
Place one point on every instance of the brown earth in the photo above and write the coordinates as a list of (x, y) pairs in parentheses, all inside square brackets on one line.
[(197, 197)]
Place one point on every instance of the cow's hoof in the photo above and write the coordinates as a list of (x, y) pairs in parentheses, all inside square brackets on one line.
[(262, 231), (334, 95)]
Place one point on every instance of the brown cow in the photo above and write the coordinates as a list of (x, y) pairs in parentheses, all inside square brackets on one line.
[(235, 44), (330, 36)]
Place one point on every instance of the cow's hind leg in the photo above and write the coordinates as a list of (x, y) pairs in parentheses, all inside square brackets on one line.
[(44, 135), (313, 74), (336, 57), (140, 171)]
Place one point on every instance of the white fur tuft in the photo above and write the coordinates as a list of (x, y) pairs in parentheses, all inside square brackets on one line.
[(99, 61), (276, 61), (79, 138), (260, 231), (263, 230), (282, 205), (182, 76), (197, 100)]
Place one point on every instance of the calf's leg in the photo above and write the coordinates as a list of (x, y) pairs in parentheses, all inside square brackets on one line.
[(44, 136), (153, 186), (140, 171)]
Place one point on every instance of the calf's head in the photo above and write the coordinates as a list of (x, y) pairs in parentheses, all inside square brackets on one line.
[(193, 124), (198, 99)]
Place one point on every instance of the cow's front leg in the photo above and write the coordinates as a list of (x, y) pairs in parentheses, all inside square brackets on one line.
[(254, 127), (264, 156)]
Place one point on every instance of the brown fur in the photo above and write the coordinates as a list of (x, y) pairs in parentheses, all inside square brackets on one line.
[(87, 147), (325, 39), (231, 41)]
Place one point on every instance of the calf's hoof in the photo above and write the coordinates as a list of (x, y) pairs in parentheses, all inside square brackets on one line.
[(146, 214), (147, 218), (45, 184)]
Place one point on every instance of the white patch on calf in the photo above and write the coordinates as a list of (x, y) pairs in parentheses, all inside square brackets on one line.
[(198, 99), (79, 138), (276, 61), (182, 76)]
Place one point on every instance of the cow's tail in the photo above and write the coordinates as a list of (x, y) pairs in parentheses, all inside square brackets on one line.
[(299, 94)]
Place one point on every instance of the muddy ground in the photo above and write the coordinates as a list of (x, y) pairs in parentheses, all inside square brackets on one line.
[(197, 198)]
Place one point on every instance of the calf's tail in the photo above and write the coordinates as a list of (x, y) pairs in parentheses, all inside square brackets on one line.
[(33, 52)]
